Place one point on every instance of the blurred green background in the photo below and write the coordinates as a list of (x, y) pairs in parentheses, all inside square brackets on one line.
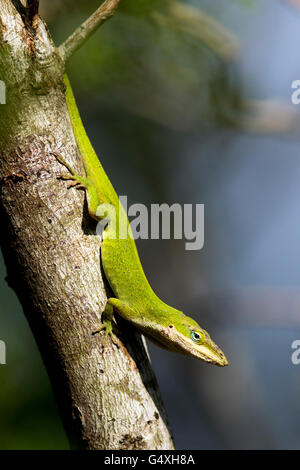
[(190, 102)]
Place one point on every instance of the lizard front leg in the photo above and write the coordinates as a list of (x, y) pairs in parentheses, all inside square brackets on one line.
[(114, 305), (106, 325)]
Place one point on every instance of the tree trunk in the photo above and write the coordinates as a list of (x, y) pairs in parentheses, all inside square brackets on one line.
[(108, 396)]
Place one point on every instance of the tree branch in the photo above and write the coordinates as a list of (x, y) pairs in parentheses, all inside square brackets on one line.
[(81, 34), (108, 396), (195, 22), (32, 11)]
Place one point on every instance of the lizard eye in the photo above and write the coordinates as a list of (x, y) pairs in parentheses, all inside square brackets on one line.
[(196, 336)]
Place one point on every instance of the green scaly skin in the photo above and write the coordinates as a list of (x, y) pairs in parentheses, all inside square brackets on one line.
[(134, 299)]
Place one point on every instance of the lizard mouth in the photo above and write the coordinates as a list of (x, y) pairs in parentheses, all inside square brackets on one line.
[(216, 357), (174, 341), (207, 352)]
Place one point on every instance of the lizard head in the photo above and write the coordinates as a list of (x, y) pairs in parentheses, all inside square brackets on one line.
[(184, 335)]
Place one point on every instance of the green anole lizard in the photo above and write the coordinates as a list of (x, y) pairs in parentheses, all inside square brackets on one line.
[(134, 299)]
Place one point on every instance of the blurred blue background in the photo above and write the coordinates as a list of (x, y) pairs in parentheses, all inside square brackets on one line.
[(180, 113)]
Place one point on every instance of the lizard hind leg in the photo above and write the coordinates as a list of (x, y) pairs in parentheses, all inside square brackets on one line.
[(78, 180), (83, 182)]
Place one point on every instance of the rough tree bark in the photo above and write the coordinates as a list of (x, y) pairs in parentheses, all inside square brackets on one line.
[(108, 397)]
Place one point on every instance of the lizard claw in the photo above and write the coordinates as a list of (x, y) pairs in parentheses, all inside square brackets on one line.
[(76, 184), (77, 180), (64, 163), (107, 326)]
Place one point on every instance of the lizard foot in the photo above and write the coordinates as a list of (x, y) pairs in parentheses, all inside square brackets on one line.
[(107, 326), (77, 180)]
